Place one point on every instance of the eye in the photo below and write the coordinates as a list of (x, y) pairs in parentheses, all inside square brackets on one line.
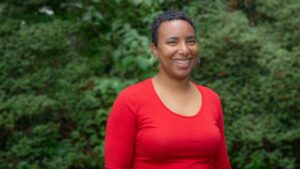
[(191, 41), (171, 42)]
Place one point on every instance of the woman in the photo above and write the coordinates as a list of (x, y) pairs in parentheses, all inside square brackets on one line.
[(168, 122)]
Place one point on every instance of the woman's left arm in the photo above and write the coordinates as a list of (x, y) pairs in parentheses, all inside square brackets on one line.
[(221, 160)]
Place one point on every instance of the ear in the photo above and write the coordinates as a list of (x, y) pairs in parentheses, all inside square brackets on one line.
[(154, 49)]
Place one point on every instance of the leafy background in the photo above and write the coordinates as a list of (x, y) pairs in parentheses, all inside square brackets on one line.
[(64, 61)]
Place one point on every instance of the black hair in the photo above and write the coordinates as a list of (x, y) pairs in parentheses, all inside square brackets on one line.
[(167, 16)]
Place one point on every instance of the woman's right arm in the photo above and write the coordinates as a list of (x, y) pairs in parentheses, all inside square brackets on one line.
[(120, 134)]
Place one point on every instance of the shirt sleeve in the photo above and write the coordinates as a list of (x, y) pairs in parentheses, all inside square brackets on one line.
[(221, 160), (120, 134)]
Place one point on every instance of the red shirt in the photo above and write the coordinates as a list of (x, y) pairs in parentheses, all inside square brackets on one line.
[(142, 133)]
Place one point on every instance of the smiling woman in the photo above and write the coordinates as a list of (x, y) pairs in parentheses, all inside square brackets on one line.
[(168, 122), (176, 48)]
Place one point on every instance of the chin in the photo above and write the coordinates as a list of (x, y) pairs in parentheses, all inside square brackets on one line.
[(181, 75)]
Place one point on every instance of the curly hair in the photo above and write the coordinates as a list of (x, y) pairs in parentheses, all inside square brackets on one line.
[(167, 16)]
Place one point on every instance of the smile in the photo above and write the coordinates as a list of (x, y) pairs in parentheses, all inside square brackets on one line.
[(182, 61)]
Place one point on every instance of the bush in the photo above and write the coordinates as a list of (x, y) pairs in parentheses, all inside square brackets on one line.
[(64, 62)]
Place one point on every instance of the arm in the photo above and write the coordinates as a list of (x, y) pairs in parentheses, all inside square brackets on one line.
[(120, 134), (221, 160)]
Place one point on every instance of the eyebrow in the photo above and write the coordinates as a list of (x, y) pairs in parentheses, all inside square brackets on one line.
[(191, 37), (174, 37)]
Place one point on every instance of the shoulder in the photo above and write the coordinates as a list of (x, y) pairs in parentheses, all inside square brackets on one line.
[(212, 100), (134, 91), (128, 100), (207, 92), (136, 88)]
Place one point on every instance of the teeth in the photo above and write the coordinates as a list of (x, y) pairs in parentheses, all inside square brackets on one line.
[(182, 61)]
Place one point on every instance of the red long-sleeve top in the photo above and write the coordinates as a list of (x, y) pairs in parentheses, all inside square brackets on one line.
[(142, 133)]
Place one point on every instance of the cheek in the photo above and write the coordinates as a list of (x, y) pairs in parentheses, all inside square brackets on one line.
[(194, 51), (168, 53)]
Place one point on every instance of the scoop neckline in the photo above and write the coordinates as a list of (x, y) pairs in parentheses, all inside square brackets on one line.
[(178, 114)]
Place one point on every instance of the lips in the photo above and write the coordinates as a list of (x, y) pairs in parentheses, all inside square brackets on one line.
[(182, 62)]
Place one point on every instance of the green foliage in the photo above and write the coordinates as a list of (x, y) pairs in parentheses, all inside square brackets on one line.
[(64, 62)]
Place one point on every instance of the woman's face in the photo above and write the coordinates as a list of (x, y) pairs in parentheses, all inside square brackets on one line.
[(176, 49)]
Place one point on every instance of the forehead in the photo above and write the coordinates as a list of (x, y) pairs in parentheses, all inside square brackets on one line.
[(175, 28)]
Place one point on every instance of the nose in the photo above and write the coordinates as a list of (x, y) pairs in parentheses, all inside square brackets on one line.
[(183, 49)]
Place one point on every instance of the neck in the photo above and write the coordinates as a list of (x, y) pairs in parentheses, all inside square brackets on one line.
[(172, 83)]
